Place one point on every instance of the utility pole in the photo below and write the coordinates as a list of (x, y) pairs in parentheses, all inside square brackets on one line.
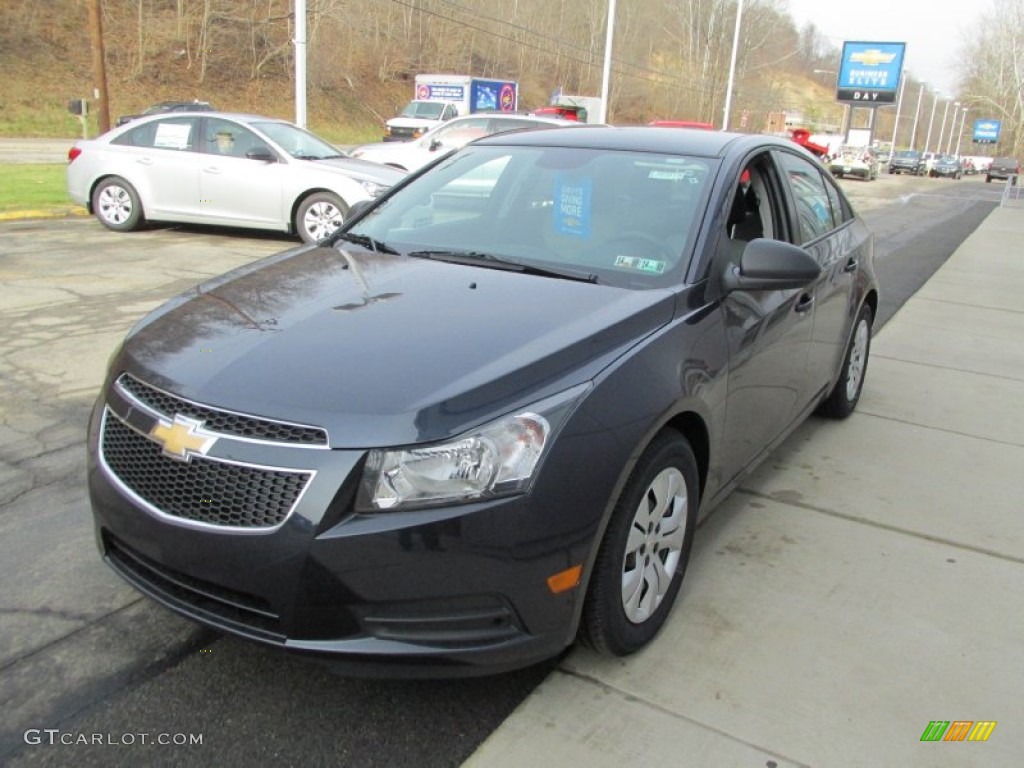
[(607, 69), (99, 64), (732, 67)]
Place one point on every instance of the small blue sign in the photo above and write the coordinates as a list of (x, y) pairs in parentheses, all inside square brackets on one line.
[(986, 131), (572, 206), (869, 73)]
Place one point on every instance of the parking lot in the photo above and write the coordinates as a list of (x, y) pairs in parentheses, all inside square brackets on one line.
[(895, 531)]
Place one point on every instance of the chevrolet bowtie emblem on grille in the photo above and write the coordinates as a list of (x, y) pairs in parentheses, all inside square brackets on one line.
[(182, 438)]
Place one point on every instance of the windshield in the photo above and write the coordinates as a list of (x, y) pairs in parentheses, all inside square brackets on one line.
[(909, 153), (430, 110), (627, 218), (297, 142)]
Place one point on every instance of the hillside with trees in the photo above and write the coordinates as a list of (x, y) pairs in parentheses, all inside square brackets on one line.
[(670, 58)]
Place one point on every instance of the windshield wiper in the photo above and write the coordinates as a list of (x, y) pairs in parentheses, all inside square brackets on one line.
[(480, 259), (377, 246)]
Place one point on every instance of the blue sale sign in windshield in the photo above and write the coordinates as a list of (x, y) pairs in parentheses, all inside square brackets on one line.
[(869, 73)]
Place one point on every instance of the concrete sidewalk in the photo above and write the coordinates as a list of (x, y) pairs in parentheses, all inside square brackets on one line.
[(868, 579)]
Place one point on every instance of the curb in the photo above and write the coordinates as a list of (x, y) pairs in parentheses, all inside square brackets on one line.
[(59, 213)]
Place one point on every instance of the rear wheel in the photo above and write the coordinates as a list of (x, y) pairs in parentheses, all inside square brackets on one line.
[(116, 204), (846, 392), (640, 565)]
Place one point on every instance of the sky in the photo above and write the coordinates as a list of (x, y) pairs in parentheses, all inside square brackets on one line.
[(931, 33)]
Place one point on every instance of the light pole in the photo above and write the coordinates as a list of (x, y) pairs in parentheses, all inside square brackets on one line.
[(942, 130), (928, 138), (896, 122), (732, 65), (606, 73), (917, 114), (959, 135), (949, 146)]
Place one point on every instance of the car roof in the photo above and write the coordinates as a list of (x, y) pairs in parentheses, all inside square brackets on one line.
[(641, 138)]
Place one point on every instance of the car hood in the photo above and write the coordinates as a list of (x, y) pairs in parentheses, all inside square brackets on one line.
[(423, 352), (362, 169)]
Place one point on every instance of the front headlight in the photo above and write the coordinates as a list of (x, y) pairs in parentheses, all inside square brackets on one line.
[(498, 459), (373, 189)]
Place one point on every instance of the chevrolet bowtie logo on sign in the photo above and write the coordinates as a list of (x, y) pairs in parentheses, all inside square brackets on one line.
[(182, 438), (872, 57)]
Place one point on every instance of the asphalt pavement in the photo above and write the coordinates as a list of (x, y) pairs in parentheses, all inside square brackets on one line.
[(861, 592)]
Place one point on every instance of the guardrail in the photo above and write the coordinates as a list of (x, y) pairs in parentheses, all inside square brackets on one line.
[(1012, 193)]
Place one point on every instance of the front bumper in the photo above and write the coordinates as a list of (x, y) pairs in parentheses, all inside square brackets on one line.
[(446, 592)]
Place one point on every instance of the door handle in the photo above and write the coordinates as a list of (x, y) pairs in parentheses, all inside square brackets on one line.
[(145, 161), (851, 265), (211, 169), (805, 302)]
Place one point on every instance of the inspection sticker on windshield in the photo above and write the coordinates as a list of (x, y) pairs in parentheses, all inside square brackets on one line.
[(639, 264), (572, 206)]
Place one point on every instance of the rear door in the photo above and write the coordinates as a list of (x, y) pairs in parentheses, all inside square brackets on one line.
[(826, 227), (159, 158)]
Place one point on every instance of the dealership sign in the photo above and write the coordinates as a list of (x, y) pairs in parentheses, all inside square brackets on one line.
[(986, 131), (869, 73)]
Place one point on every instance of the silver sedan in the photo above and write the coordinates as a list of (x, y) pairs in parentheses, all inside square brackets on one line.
[(222, 169)]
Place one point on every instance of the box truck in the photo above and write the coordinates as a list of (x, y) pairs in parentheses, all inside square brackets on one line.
[(441, 97)]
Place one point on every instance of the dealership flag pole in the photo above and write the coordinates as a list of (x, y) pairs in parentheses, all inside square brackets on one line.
[(896, 122)]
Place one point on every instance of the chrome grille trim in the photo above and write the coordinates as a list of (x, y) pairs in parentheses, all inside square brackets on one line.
[(239, 426), (172, 466)]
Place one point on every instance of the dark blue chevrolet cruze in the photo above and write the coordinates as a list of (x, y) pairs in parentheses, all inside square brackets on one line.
[(485, 416)]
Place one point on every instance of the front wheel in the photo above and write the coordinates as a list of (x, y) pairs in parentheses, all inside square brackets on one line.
[(640, 565), (319, 215), (116, 204), (846, 392)]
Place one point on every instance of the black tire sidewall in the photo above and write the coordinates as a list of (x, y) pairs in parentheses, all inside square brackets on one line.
[(604, 625), (838, 405)]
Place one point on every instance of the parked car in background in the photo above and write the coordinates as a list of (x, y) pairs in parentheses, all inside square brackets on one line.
[(169, 106), (484, 423), (907, 161), (859, 162), (1003, 168), (947, 165), (412, 155), (223, 169)]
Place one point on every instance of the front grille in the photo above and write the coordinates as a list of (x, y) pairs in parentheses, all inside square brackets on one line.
[(223, 422), (201, 490)]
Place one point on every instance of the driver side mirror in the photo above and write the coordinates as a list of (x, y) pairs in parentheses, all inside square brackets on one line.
[(435, 144), (261, 153), (771, 265)]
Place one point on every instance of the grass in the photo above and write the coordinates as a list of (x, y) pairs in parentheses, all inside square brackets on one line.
[(34, 187)]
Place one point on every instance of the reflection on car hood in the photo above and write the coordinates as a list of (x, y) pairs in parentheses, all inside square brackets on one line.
[(428, 351)]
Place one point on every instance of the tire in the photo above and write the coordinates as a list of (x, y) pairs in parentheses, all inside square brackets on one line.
[(636, 550), (843, 398), (319, 215), (988, 179), (116, 204)]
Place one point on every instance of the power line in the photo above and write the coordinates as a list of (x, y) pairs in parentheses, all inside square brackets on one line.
[(666, 78)]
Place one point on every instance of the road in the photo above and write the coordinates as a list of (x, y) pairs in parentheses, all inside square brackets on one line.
[(83, 653)]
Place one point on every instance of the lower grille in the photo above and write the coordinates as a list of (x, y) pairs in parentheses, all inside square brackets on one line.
[(217, 605), (202, 490)]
